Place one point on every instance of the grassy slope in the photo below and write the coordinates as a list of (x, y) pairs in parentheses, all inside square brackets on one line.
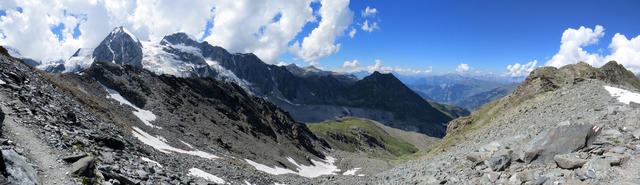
[(361, 135), (450, 110)]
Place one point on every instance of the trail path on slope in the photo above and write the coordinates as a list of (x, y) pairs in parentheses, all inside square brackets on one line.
[(50, 170)]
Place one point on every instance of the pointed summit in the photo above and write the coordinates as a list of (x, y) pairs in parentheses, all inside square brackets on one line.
[(120, 47)]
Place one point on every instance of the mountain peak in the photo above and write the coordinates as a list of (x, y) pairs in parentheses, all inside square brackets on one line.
[(120, 47), (180, 38), (120, 30)]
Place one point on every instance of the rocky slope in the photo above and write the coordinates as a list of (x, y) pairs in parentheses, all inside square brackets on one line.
[(308, 94), (573, 125), (86, 128)]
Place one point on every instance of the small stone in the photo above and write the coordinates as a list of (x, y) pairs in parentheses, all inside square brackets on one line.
[(491, 147), (618, 149), (591, 174), (478, 156), (569, 161), (541, 180)]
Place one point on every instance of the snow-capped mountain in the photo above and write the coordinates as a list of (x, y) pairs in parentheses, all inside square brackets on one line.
[(309, 94)]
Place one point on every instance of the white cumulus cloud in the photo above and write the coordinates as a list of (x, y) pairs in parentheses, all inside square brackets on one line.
[(518, 69), (351, 65), (262, 27), (30, 31), (355, 66), (571, 47), (624, 51), (336, 18), (367, 12), (462, 68), (369, 27), (352, 33)]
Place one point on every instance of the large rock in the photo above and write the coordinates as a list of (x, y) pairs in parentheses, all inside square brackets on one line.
[(499, 162), (559, 140), (19, 171), (84, 167), (569, 161)]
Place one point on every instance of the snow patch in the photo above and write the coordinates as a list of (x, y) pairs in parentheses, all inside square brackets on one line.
[(151, 161), (144, 115), (2, 82), (207, 176), (226, 75), (162, 146), (157, 60), (351, 171), (318, 168), (622, 95), (82, 61)]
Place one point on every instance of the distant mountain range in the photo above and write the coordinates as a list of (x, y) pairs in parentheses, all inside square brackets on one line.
[(308, 94), (463, 90)]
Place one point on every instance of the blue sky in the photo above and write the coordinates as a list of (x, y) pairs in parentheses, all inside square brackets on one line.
[(486, 35)]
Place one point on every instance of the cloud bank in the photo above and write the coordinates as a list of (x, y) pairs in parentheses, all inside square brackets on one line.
[(624, 51), (53, 30), (355, 66)]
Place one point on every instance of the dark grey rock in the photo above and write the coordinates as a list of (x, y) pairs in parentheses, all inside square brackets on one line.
[(19, 171), (559, 140)]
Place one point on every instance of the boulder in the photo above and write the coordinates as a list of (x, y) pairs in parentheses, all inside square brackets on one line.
[(74, 157), (636, 134), (18, 170), (478, 156), (111, 142), (499, 162), (569, 161), (84, 167), (491, 147), (559, 140)]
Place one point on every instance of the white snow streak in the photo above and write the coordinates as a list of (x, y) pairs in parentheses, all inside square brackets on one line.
[(318, 168), (622, 95), (151, 161), (185, 143), (207, 176), (351, 171), (144, 115), (158, 144)]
